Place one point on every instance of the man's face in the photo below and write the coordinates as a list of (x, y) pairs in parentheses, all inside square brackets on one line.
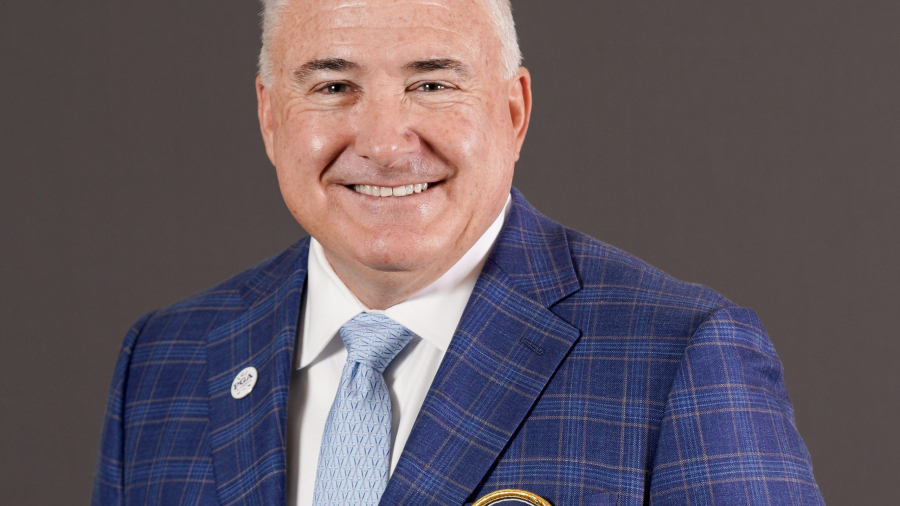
[(392, 93)]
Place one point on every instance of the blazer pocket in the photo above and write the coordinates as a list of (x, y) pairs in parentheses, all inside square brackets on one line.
[(604, 499)]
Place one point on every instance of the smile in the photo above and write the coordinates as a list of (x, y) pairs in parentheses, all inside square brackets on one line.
[(387, 191)]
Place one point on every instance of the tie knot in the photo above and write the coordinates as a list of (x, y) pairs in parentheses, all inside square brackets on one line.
[(374, 340)]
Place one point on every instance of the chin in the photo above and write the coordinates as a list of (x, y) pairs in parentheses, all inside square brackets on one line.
[(399, 252)]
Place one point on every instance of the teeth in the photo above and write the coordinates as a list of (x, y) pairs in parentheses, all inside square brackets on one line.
[(386, 191)]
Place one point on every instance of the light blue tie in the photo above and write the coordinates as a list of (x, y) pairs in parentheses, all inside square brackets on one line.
[(356, 446)]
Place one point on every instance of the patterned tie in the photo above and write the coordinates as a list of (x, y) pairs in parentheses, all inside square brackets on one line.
[(356, 445)]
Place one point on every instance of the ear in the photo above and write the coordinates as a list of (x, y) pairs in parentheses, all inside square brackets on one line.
[(520, 106), (266, 121)]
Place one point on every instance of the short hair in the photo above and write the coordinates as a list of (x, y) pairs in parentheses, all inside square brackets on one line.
[(499, 10)]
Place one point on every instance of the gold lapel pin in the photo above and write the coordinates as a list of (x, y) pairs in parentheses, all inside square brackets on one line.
[(511, 497)]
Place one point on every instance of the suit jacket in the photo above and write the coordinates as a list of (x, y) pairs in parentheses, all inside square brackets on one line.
[(577, 372)]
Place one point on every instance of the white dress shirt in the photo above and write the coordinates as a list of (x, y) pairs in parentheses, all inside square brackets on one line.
[(432, 314)]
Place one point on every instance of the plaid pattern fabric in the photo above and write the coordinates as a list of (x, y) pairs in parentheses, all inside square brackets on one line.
[(577, 372)]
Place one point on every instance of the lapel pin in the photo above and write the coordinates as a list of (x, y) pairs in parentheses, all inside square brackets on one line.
[(244, 382), (511, 497)]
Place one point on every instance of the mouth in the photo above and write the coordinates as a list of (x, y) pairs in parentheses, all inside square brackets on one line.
[(391, 191)]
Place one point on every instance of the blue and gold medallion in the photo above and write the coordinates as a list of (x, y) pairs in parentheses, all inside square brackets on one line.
[(511, 497)]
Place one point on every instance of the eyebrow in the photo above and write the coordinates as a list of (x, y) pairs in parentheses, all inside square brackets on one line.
[(331, 64), (438, 64)]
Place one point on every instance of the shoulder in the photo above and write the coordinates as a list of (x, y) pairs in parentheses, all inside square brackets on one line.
[(610, 274), (625, 297), (605, 291), (190, 319)]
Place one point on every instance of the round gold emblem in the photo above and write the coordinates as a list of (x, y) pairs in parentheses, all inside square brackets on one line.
[(511, 497)]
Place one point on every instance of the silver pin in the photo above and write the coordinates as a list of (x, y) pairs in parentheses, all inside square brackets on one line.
[(244, 382)]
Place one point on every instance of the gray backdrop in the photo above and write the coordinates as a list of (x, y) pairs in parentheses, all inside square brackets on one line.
[(749, 146)]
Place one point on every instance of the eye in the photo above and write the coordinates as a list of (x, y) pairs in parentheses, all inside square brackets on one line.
[(334, 88), (431, 87)]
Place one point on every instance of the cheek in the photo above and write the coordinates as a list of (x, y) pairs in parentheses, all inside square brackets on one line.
[(461, 136), (306, 145), (477, 141)]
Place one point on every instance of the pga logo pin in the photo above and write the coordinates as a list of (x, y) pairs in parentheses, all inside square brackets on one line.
[(511, 497), (244, 382)]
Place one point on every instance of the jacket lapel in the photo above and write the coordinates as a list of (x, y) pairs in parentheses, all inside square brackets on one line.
[(506, 349), (247, 436)]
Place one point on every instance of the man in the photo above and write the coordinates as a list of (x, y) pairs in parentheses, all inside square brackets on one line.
[(437, 340)]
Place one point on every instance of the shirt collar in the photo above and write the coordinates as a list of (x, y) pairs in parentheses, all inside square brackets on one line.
[(433, 313)]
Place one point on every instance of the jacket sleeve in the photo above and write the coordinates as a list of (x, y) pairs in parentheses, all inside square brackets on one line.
[(109, 483), (728, 434)]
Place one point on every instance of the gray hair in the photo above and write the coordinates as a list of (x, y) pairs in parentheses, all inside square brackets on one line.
[(499, 10)]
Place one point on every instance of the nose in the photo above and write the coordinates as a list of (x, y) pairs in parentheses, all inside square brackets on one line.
[(384, 131)]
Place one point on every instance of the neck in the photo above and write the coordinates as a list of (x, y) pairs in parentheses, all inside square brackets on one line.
[(380, 290)]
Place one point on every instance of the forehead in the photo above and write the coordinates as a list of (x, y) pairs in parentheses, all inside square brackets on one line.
[(356, 28)]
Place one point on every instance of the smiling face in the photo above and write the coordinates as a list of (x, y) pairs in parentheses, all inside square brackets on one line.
[(395, 95)]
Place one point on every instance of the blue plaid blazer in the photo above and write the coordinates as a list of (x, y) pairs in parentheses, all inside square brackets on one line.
[(577, 372)]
